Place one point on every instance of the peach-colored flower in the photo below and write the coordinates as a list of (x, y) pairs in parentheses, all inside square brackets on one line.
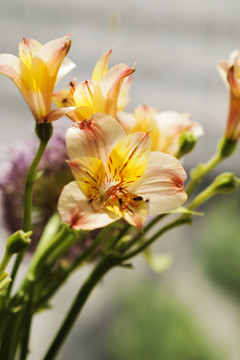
[(37, 70), (106, 92), (230, 73), (166, 127), (117, 176)]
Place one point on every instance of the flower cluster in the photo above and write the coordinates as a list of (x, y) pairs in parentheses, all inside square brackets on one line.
[(115, 171), (117, 174)]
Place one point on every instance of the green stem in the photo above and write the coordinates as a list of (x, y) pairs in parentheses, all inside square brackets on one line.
[(74, 264), (179, 221), (139, 234), (39, 258), (199, 172), (99, 271), (4, 263), (31, 177)]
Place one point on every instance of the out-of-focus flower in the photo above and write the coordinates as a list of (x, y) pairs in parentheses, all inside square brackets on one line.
[(56, 174), (36, 72), (166, 127), (117, 176), (230, 73), (106, 92)]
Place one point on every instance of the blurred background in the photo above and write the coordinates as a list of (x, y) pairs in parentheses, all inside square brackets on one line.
[(192, 310)]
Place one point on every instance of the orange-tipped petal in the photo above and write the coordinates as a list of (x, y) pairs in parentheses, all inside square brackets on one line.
[(106, 92), (101, 66), (27, 49), (45, 66)]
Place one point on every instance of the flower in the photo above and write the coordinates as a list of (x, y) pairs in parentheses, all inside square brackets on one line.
[(37, 70), (117, 176), (166, 127), (106, 92), (230, 73)]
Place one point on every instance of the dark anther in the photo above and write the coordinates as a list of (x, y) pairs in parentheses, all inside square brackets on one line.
[(137, 198)]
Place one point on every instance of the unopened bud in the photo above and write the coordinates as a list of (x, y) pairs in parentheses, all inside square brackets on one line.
[(18, 242), (187, 142), (226, 147), (225, 183), (44, 131)]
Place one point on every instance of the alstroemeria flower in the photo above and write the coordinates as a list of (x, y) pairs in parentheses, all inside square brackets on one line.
[(117, 176), (36, 72), (230, 73), (166, 127), (106, 92)]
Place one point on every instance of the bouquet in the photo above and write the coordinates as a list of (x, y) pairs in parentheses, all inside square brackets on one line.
[(96, 193)]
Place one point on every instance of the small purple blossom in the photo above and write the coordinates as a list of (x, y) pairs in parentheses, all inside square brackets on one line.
[(56, 174)]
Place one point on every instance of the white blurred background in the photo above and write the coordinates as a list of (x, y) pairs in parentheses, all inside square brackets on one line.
[(176, 46)]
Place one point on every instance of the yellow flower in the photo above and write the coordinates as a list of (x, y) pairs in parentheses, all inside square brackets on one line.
[(166, 127), (230, 73), (37, 70), (106, 92), (117, 176)]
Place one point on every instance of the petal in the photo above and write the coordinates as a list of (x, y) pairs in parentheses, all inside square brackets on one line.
[(161, 183), (123, 97), (66, 66), (17, 71), (90, 175), (101, 66), (75, 210), (223, 67), (145, 121), (134, 215), (94, 138), (27, 49), (171, 125), (45, 66), (138, 217), (127, 121), (106, 92), (129, 158), (84, 93), (80, 113), (56, 114)]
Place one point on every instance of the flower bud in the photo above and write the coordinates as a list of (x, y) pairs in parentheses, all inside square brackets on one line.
[(225, 183), (44, 131), (18, 242), (226, 147), (187, 142)]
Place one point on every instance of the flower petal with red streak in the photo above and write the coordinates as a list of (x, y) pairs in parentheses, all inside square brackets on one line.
[(94, 138), (161, 183), (76, 211)]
